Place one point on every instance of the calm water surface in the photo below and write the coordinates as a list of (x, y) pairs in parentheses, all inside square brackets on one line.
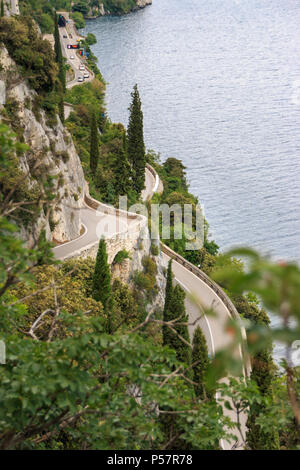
[(220, 86)]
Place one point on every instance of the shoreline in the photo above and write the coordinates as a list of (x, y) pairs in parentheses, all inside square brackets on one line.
[(108, 13)]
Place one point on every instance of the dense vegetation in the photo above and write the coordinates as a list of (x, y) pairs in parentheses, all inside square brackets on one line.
[(87, 366), (42, 10)]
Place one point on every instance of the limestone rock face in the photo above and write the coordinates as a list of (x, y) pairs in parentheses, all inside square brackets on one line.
[(99, 10), (143, 3), (54, 148), (2, 92)]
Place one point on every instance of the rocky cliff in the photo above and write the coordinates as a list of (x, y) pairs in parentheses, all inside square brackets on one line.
[(51, 147), (116, 8)]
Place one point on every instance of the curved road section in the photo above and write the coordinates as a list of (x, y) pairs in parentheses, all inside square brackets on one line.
[(202, 293)]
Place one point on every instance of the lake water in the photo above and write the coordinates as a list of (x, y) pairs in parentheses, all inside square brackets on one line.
[(220, 86)]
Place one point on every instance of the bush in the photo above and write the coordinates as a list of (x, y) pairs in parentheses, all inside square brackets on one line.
[(34, 55), (121, 256), (154, 250), (77, 16)]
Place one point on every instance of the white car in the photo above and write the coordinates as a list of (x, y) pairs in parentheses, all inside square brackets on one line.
[(72, 57), (80, 79), (81, 67), (86, 75)]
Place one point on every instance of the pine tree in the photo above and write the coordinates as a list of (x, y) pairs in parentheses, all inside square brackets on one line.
[(135, 139), (101, 288), (200, 360), (2, 8), (122, 171), (94, 145)]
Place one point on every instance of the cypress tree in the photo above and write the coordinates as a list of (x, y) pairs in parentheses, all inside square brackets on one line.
[(135, 139), (62, 74), (201, 360), (101, 288), (57, 46), (263, 374), (175, 309), (168, 297), (122, 171), (2, 8), (61, 108), (58, 54), (94, 146)]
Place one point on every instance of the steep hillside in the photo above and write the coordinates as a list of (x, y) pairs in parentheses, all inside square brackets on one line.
[(50, 163)]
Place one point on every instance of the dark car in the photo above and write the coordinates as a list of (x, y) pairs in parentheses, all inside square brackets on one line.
[(65, 36)]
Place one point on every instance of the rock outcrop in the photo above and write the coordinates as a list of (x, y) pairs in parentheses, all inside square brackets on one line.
[(99, 9), (52, 145)]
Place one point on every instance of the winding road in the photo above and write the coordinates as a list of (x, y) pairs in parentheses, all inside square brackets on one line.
[(202, 293), (69, 35)]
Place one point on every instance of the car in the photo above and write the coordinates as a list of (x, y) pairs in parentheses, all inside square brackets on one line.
[(86, 75), (71, 36), (81, 67), (80, 79), (65, 36), (72, 57)]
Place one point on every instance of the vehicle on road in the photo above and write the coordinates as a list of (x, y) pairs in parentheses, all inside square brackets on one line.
[(65, 36), (80, 79), (86, 75), (81, 67), (72, 57)]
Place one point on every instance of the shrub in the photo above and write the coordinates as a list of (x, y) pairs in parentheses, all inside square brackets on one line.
[(121, 256)]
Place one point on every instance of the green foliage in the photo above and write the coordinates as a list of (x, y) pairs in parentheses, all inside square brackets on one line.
[(122, 171), (154, 250), (77, 16), (46, 23), (101, 289), (277, 285), (82, 6), (42, 11), (91, 39), (176, 337), (135, 141), (121, 256), (2, 8), (94, 148), (146, 279), (30, 51), (200, 361), (179, 339), (125, 309), (119, 7)]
